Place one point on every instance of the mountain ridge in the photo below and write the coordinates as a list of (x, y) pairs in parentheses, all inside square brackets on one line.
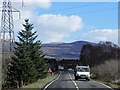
[(64, 50)]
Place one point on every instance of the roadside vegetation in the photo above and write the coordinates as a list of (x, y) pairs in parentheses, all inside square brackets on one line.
[(107, 73), (97, 54), (103, 59), (41, 82)]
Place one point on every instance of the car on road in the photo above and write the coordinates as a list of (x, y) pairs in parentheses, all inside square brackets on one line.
[(61, 68), (82, 72), (70, 69)]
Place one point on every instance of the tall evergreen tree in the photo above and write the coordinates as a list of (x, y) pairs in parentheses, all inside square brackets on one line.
[(27, 65)]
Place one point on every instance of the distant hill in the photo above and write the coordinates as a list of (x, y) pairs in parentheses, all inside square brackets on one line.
[(59, 50), (64, 50)]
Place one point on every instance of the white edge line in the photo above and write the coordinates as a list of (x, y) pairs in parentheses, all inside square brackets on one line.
[(73, 82), (104, 85), (51, 82)]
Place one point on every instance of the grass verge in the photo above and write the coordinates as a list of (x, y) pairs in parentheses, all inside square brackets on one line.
[(42, 82), (112, 85)]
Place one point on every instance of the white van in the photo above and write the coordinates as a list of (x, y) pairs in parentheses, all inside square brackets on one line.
[(82, 72)]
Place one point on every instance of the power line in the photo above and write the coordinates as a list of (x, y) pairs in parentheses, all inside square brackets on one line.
[(94, 11), (82, 6), (71, 8)]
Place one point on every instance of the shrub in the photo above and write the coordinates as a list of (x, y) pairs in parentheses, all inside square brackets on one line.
[(117, 82), (107, 71)]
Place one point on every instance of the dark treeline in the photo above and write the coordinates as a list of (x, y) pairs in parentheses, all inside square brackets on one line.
[(97, 54)]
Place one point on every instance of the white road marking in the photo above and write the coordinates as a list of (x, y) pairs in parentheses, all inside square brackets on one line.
[(104, 85), (51, 82), (76, 86)]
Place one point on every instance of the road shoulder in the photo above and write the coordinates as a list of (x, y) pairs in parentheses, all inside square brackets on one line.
[(41, 82), (103, 84), (50, 82)]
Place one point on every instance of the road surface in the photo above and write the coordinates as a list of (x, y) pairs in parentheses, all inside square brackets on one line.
[(66, 81)]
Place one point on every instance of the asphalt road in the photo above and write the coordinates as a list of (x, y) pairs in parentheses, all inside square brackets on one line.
[(66, 81)]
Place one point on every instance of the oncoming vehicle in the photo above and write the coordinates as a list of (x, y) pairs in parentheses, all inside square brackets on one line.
[(82, 72)]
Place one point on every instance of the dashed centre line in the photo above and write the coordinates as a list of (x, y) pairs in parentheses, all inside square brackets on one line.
[(76, 86)]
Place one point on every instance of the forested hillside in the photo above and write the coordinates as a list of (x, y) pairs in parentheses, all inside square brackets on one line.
[(99, 53)]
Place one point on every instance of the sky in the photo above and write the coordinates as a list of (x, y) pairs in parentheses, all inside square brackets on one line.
[(59, 21)]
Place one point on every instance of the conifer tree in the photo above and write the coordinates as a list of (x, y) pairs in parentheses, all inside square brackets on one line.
[(27, 65)]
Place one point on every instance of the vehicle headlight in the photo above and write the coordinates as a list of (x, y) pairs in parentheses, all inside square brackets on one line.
[(88, 75)]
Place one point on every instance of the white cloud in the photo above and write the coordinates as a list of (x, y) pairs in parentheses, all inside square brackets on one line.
[(60, 22), (54, 28), (39, 3), (51, 27), (101, 35), (27, 11), (30, 3)]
